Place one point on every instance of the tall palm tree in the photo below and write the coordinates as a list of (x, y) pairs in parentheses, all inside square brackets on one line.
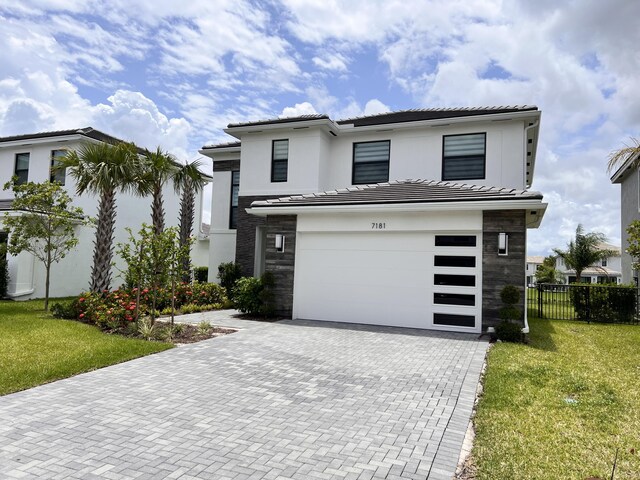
[(584, 251), (617, 158), (189, 180), (103, 169), (160, 168)]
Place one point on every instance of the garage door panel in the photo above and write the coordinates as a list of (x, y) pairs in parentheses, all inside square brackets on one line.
[(380, 278)]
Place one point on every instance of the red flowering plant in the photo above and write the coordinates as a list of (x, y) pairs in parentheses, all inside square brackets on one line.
[(111, 311)]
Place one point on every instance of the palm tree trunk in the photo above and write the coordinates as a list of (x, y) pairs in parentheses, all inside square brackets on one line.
[(157, 210), (103, 245), (187, 213)]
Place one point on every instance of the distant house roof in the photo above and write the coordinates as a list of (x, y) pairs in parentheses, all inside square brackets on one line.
[(610, 246), (88, 132), (535, 259), (406, 191)]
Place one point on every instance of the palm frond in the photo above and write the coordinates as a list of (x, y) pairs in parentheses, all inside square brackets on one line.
[(619, 157)]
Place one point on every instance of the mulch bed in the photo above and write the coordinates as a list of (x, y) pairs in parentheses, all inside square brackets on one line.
[(193, 333)]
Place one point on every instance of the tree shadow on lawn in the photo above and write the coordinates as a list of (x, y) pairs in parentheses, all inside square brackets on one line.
[(541, 335)]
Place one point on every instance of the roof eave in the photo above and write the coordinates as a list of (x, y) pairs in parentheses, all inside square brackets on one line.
[(625, 169), (238, 131), (531, 204)]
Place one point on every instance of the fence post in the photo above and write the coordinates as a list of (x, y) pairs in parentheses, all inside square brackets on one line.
[(588, 296), (539, 300)]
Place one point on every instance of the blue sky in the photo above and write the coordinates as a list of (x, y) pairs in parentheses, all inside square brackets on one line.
[(174, 74)]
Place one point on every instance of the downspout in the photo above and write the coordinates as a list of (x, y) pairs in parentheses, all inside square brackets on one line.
[(525, 329)]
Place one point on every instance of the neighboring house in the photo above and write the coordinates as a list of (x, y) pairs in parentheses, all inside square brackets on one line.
[(629, 179), (608, 270), (415, 218), (31, 157), (533, 263)]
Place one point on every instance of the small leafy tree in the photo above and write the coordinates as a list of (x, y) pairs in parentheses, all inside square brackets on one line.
[(633, 230), (547, 272), (154, 260), (42, 223), (584, 251), (4, 270)]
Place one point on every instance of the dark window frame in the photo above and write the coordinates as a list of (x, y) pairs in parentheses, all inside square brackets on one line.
[(233, 209), (274, 160), (52, 174), (15, 167), (353, 162), (484, 163), (449, 241)]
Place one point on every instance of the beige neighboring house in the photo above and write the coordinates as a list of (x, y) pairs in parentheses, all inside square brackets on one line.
[(608, 271), (533, 263)]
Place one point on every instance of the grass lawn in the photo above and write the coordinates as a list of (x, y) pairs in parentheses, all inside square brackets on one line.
[(559, 407), (36, 348)]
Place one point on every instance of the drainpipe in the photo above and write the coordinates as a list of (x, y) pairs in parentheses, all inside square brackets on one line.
[(526, 129)]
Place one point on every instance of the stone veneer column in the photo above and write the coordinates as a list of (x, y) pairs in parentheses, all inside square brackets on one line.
[(498, 270), (282, 264)]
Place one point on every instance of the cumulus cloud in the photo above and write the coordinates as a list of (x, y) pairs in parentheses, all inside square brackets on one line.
[(304, 108)]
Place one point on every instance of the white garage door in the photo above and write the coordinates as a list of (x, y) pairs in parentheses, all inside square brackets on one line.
[(407, 279)]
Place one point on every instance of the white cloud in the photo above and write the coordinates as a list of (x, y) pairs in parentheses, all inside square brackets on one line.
[(374, 107), (304, 108), (331, 61)]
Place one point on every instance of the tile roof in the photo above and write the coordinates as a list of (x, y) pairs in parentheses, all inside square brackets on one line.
[(535, 259), (213, 146), (432, 114), (405, 191), (301, 118), (86, 132)]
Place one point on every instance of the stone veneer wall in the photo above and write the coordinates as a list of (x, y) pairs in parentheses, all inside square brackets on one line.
[(282, 264), (498, 271), (246, 234)]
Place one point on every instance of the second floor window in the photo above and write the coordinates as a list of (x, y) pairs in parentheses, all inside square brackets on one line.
[(464, 156), (57, 175), (235, 187), (371, 162), (279, 160), (604, 262), (22, 167)]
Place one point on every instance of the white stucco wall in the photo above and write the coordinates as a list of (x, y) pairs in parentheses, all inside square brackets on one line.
[(71, 275)]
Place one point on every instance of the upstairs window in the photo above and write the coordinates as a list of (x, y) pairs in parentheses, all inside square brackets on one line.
[(279, 160), (371, 162), (235, 186), (604, 262), (464, 156), (22, 167), (57, 175)]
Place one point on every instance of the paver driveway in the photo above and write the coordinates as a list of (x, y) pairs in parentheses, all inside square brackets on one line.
[(294, 399)]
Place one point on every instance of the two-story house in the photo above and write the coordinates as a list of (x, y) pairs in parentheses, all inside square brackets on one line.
[(628, 176), (608, 270), (534, 262), (30, 157), (415, 218)]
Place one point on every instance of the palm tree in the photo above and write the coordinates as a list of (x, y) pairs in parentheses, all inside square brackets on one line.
[(190, 181), (619, 157), (160, 167), (103, 169), (584, 251)]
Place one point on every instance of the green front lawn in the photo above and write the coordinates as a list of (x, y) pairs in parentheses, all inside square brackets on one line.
[(561, 406), (36, 348)]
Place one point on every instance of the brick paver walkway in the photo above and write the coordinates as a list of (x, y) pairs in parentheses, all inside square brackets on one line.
[(287, 400)]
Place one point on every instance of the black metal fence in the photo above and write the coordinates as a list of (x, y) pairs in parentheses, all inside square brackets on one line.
[(587, 302)]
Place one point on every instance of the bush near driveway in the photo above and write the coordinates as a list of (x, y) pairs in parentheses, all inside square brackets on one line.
[(36, 348), (116, 310), (559, 407)]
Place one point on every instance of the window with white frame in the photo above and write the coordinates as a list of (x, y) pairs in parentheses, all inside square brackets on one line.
[(279, 160), (371, 162), (57, 174), (22, 167)]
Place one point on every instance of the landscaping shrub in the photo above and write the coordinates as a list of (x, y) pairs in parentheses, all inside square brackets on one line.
[(68, 310), (201, 274), (228, 274), (604, 303), (510, 296), (4, 270), (255, 295), (509, 332)]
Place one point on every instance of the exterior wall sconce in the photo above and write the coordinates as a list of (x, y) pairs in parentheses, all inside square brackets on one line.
[(279, 242), (503, 244)]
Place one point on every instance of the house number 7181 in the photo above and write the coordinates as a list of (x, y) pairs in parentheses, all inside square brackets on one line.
[(378, 225)]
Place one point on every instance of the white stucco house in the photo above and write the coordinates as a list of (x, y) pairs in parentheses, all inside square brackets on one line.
[(628, 177), (608, 270), (31, 157), (533, 263), (415, 218)]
